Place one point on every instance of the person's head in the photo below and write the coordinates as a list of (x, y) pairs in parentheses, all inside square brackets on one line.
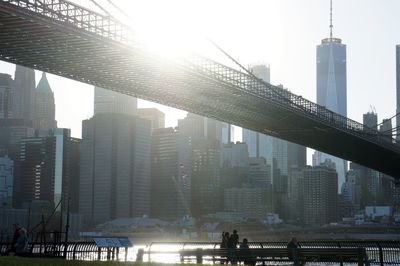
[(22, 231), (226, 234), (245, 241), (17, 226), (235, 232), (294, 240)]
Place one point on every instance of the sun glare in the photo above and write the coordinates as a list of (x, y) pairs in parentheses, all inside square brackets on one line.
[(166, 28), (177, 28)]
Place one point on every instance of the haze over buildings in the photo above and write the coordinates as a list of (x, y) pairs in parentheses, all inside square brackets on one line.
[(129, 165)]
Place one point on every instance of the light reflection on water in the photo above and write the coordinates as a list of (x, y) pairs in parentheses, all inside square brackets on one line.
[(169, 253)]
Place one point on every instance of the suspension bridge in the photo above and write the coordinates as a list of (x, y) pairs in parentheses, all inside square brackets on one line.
[(71, 41)]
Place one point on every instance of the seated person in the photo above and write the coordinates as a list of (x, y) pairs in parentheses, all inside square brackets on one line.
[(245, 253)]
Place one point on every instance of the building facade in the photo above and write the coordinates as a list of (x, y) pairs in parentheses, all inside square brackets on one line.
[(171, 170), (45, 109), (6, 181), (320, 194), (115, 168), (108, 101), (199, 127), (156, 117), (248, 202), (206, 189), (332, 91), (235, 155), (6, 90), (24, 93), (49, 164)]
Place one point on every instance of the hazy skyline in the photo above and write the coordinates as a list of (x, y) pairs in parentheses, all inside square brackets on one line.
[(281, 33)]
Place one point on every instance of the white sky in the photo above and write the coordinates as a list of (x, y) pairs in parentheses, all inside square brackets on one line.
[(281, 33)]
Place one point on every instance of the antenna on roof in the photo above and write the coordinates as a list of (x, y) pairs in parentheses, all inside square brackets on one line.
[(331, 25)]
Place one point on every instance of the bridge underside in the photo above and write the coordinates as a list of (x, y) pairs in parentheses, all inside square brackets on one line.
[(36, 41)]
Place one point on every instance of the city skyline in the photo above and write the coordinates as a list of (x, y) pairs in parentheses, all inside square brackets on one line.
[(283, 45)]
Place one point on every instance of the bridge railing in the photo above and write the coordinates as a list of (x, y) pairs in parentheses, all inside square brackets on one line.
[(284, 99), (78, 16)]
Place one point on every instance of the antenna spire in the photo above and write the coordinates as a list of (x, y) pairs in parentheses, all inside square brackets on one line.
[(331, 25)]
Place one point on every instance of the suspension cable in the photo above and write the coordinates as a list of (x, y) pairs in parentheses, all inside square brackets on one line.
[(102, 8), (390, 118), (273, 89), (120, 10)]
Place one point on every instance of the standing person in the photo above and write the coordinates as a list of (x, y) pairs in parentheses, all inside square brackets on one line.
[(17, 227), (224, 242), (293, 247), (22, 241), (232, 245)]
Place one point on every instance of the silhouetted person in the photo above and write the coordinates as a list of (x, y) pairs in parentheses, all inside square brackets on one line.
[(232, 244), (22, 241), (293, 247), (17, 227), (224, 241), (245, 253)]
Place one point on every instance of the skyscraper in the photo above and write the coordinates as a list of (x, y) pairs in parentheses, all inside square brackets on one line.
[(262, 72), (386, 129), (115, 168), (206, 155), (320, 194), (199, 127), (6, 181), (107, 101), (6, 90), (235, 155), (259, 172), (296, 193), (259, 144), (370, 119), (24, 93), (49, 163), (115, 160), (45, 108), (332, 89), (156, 117), (171, 170), (234, 165)]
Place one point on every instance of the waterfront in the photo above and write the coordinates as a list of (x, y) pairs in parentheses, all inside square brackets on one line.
[(378, 252)]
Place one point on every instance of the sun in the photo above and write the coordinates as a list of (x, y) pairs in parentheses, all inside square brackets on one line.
[(166, 28)]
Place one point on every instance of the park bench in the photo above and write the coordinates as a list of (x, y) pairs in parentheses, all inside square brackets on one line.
[(338, 255)]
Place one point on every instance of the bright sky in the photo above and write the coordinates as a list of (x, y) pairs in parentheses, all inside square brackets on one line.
[(281, 33)]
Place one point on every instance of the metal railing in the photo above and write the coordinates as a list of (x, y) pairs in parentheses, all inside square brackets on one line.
[(70, 251), (378, 252), (284, 99)]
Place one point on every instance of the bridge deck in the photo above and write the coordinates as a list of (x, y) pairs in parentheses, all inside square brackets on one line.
[(67, 40)]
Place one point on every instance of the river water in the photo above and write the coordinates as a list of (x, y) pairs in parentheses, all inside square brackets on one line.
[(169, 253)]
